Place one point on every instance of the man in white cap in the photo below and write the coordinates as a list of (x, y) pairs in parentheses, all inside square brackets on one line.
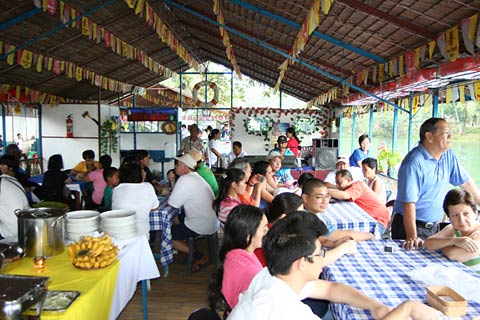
[(341, 164), (195, 195)]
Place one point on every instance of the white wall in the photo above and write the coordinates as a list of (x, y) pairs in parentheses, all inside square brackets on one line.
[(85, 132), (255, 145)]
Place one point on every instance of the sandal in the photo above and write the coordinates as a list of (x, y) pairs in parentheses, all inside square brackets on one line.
[(199, 264)]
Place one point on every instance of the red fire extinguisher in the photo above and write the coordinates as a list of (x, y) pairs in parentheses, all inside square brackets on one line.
[(69, 122)]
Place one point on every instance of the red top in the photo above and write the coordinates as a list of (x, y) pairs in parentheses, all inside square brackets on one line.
[(368, 200), (292, 144)]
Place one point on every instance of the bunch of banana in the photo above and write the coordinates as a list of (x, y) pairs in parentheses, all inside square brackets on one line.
[(92, 253)]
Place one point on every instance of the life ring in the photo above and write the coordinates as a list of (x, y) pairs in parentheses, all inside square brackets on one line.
[(211, 85)]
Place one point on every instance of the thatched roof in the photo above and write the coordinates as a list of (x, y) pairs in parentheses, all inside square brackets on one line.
[(355, 35)]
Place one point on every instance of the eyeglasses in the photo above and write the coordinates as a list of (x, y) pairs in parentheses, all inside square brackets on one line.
[(325, 196), (446, 132), (310, 257)]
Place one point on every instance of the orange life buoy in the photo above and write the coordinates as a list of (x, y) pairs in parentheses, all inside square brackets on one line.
[(211, 85)]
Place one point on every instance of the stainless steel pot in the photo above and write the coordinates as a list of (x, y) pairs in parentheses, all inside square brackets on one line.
[(41, 231)]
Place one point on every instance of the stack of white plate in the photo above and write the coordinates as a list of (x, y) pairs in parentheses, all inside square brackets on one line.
[(82, 223), (120, 224)]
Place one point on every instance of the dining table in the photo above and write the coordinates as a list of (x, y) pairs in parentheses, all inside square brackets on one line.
[(383, 270), (104, 292), (76, 185), (346, 215)]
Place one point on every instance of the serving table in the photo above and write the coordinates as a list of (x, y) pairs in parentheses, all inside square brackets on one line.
[(104, 292), (346, 215), (384, 276)]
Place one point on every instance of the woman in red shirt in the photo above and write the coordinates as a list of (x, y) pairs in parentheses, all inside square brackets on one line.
[(293, 141)]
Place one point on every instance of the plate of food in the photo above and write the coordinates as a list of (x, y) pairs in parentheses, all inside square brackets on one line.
[(58, 301)]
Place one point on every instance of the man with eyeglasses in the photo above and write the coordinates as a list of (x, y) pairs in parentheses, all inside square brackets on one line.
[(424, 179), (316, 199), (295, 259)]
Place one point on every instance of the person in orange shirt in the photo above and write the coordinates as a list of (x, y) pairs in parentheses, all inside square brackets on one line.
[(255, 183)]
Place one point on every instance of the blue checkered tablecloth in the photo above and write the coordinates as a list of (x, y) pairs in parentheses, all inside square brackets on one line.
[(346, 215), (161, 219), (384, 276)]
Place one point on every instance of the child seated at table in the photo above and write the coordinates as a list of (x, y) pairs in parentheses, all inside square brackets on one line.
[(461, 239), (99, 183), (86, 166), (112, 179), (234, 184)]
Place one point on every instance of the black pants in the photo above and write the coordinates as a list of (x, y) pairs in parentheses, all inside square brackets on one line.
[(398, 229)]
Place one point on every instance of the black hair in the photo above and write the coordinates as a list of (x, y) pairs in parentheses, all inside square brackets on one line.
[(304, 177), (344, 173), (10, 161), (109, 172), (131, 172), (291, 238), (233, 175), (456, 196), (429, 125), (283, 203), (311, 184), (260, 167), (242, 224), (88, 154), (213, 133), (105, 161), (55, 162), (131, 158), (294, 134), (237, 144), (141, 154), (361, 138), (14, 150), (371, 163)]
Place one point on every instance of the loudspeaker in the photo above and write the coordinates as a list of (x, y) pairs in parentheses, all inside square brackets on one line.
[(324, 152), (325, 158)]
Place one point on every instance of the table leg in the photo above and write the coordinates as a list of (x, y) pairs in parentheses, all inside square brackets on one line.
[(145, 299)]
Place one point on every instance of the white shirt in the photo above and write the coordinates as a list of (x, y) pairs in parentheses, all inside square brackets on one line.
[(195, 195), (356, 172), (212, 157), (12, 197), (270, 298), (232, 156), (139, 197)]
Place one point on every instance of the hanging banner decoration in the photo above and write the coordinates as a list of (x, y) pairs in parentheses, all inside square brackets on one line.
[(217, 9), (461, 93), (96, 32), (442, 45), (164, 33), (452, 43), (410, 63), (448, 94), (310, 23)]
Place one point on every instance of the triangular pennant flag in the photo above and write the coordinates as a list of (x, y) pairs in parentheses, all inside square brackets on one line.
[(452, 43), (472, 91), (461, 93), (11, 54), (39, 64), (442, 45), (431, 48), (85, 26), (26, 61), (52, 7), (455, 95), (476, 87), (468, 43), (401, 71), (448, 94)]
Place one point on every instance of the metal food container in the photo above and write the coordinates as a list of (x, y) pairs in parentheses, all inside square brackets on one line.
[(18, 293), (41, 231), (11, 255)]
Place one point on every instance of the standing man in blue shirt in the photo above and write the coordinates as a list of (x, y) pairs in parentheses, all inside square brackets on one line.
[(424, 179)]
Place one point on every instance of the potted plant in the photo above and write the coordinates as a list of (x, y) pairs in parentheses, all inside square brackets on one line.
[(388, 159)]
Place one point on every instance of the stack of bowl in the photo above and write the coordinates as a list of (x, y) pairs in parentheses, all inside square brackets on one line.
[(82, 223), (120, 224)]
